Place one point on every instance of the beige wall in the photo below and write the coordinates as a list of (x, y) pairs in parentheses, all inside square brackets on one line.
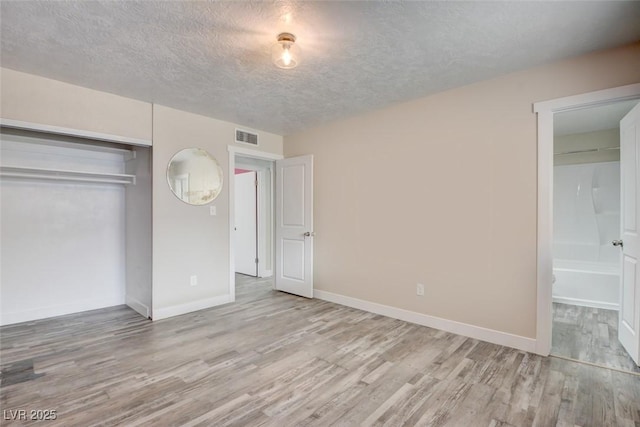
[(36, 99), (187, 240), (564, 147), (442, 191)]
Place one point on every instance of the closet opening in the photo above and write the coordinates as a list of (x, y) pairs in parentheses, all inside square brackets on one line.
[(76, 225)]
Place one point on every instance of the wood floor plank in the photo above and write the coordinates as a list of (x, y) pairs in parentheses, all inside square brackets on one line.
[(590, 335), (273, 359)]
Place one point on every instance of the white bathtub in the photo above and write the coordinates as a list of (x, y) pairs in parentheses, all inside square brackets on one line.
[(587, 283)]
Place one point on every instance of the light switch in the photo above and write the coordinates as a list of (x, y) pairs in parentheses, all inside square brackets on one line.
[(212, 210)]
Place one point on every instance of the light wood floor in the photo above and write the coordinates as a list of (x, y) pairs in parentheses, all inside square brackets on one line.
[(590, 335), (278, 360)]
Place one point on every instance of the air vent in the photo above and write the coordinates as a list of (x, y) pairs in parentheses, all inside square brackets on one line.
[(246, 137)]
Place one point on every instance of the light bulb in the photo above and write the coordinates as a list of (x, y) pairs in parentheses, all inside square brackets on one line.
[(286, 56)]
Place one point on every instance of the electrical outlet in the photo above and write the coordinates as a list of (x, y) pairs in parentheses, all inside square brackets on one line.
[(420, 289), (194, 280)]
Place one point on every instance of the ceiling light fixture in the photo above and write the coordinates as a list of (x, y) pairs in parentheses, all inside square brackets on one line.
[(285, 53)]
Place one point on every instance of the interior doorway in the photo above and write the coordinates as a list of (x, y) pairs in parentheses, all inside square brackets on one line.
[(548, 112), (251, 209), (586, 221), (285, 219)]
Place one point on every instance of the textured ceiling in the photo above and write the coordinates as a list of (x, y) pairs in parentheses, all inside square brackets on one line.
[(213, 58)]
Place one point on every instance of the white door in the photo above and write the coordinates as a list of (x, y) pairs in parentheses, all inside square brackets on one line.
[(629, 315), (294, 226), (246, 224)]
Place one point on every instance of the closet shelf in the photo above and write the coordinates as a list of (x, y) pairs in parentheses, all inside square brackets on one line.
[(66, 175)]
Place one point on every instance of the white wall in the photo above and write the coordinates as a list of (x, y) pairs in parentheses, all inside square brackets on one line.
[(62, 244), (604, 141), (586, 218), (442, 191), (586, 211)]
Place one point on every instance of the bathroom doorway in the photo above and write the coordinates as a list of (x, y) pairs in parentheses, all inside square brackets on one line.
[(586, 235)]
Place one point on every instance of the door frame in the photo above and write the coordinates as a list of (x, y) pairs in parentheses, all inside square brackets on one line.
[(545, 113), (254, 154)]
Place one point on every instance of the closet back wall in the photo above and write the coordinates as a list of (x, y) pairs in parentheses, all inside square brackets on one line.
[(62, 243)]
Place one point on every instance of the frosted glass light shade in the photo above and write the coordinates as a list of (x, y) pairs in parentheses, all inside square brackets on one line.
[(285, 53)]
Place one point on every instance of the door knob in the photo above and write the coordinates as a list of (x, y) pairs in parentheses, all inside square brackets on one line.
[(618, 243), (309, 234)]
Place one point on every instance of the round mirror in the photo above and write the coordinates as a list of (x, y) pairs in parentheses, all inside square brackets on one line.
[(194, 176)]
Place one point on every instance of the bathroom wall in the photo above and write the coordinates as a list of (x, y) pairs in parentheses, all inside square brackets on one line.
[(586, 211), (586, 219), (604, 143)]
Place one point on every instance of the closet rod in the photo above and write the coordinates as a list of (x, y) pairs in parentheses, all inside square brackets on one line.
[(590, 150), (67, 175)]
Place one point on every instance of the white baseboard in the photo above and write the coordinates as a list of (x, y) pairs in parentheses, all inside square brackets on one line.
[(477, 332), (587, 303), (137, 306), (176, 310), (58, 310)]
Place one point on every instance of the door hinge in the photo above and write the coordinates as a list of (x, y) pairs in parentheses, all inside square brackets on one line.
[(256, 260), (256, 182)]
